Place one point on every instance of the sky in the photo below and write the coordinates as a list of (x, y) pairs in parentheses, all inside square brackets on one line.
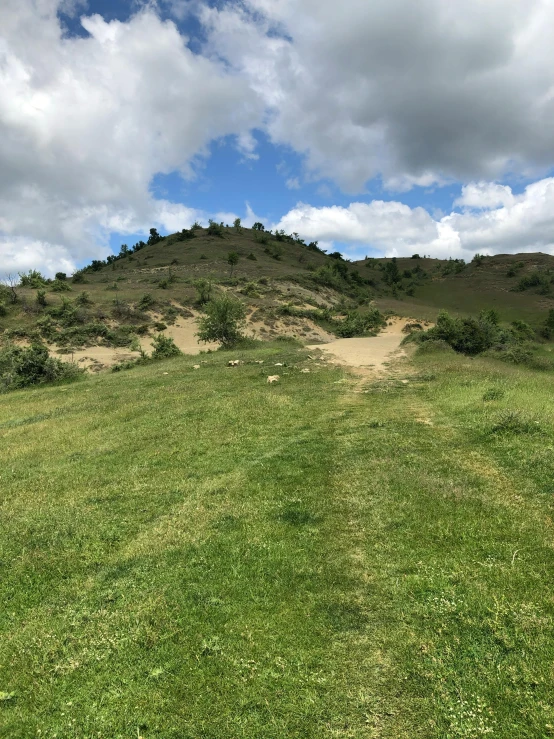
[(376, 127)]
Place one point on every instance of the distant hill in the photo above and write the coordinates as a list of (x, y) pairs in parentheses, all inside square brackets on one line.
[(289, 287)]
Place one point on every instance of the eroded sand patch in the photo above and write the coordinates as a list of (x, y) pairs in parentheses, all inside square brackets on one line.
[(371, 352)]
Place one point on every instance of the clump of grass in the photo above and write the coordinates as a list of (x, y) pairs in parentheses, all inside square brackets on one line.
[(514, 422), (493, 394)]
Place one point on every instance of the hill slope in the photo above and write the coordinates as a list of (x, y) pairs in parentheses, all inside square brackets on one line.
[(200, 554)]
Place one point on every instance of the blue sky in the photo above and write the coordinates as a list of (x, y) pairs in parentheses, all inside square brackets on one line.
[(375, 128)]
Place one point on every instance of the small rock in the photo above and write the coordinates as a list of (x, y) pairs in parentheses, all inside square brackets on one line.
[(233, 363), (195, 366), (165, 373), (278, 364), (305, 371), (273, 378), (404, 382)]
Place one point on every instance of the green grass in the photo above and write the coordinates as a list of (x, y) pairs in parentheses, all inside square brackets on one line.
[(198, 554)]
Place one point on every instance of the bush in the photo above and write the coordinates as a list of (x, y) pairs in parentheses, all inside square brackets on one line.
[(3, 310), (534, 279), (41, 298), (83, 299), (466, 335), (252, 257), (215, 229), (24, 366), (32, 279), (79, 278), (204, 290), (223, 322), (146, 302), (164, 347), (61, 276), (60, 286), (359, 324)]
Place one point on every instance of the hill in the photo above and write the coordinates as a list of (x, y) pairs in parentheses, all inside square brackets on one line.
[(107, 312)]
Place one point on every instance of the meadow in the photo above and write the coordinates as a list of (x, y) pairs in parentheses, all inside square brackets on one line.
[(196, 554)]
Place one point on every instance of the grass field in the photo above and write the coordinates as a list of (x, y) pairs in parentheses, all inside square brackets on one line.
[(196, 554)]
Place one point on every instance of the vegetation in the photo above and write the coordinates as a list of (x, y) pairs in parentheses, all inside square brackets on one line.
[(24, 366), (223, 321), (186, 562)]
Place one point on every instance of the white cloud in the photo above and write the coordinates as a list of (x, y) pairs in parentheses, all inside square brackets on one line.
[(85, 124), (293, 183), (485, 195), (416, 92), (498, 223)]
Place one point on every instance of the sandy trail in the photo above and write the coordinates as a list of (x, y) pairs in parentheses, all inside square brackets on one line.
[(372, 352)]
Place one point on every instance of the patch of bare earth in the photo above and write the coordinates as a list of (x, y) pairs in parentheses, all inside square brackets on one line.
[(371, 354)]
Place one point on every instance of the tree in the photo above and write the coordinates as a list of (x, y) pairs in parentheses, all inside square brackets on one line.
[(392, 273), (232, 260), (236, 224), (125, 249), (204, 288), (61, 276), (12, 283), (258, 226), (224, 321), (154, 237)]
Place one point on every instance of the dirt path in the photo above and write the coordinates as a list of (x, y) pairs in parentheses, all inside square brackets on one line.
[(372, 352)]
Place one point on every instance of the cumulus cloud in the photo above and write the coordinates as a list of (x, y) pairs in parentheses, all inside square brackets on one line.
[(415, 92), (85, 124), (499, 222)]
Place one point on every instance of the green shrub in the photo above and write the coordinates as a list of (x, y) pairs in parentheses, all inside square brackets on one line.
[(60, 286), (164, 347), (466, 335), (251, 290), (360, 324), (232, 260), (215, 229), (24, 366), (147, 301), (534, 279), (223, 322), (41, 298), (32, 279), (204, 289), (3, 310), (252, 257), (83, 299), (61, 276)]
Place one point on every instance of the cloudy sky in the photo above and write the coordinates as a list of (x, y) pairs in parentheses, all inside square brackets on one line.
[(377, 127)]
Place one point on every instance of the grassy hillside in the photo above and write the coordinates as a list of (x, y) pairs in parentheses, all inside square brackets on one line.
[(137, 295), (196, 553), (493, 282)]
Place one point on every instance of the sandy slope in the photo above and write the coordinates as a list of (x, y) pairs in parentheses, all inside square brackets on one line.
[(371, 352)]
